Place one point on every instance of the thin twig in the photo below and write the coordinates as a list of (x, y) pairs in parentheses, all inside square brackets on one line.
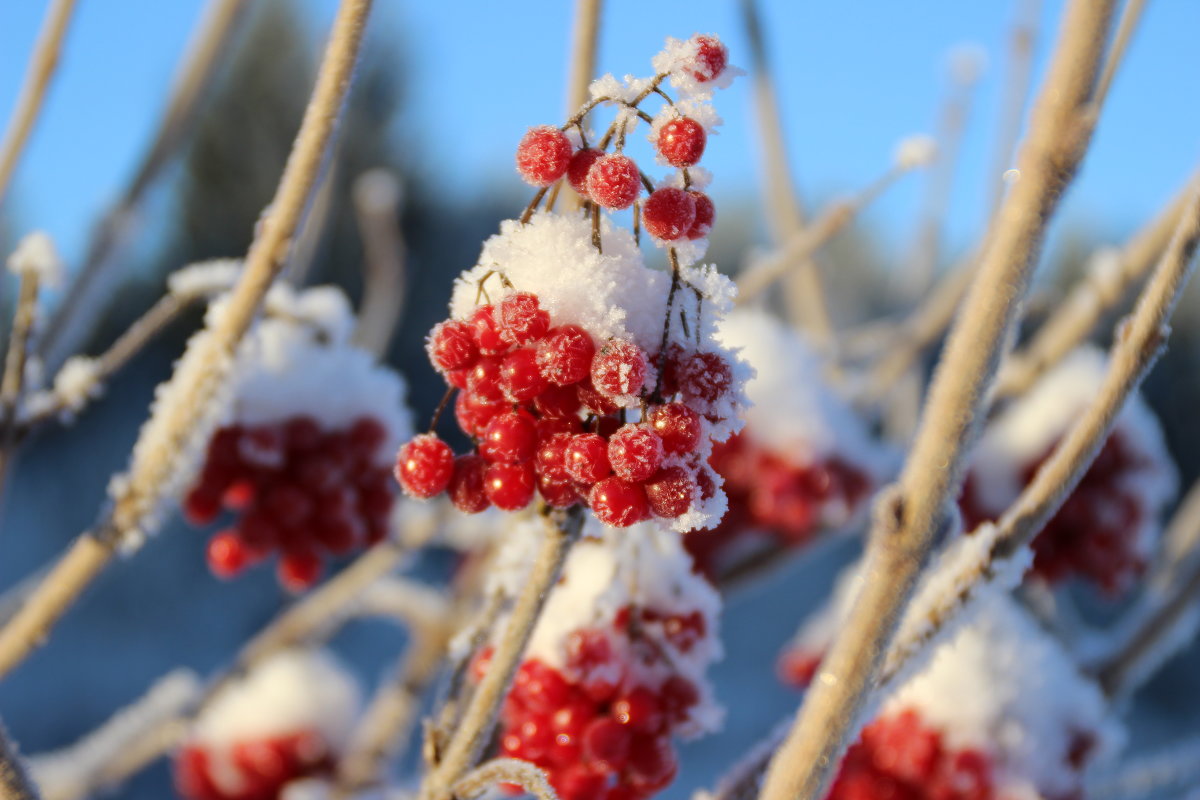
[(1098, 291), (198, 68), (585, 41), (377, 204), (475, 728), (197, 380), (41, 69), (15, 783), (528, 776), (1131, 15), (910, 518), (804, 290), (13, 382)]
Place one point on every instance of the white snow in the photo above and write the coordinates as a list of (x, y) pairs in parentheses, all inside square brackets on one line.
[(36, 254), (678, 60), (915, 151), (204, 278)]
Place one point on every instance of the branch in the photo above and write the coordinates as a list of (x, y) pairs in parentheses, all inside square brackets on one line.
[(1017, 83), (377, 202), (182, 415), (15, 783), (585, 40), (908, 520), (529, 777), (41, 69), (475, 728), (13, 382)]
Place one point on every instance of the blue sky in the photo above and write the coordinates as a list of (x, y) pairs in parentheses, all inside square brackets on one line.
[(855, 78)]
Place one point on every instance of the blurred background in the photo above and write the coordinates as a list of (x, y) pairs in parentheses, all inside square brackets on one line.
[(442, 96)]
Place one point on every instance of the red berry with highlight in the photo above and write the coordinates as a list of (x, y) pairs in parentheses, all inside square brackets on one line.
[(228, 554), (543, 155), (681, 142), (565, 355), (520, 319), (510, 487), (635, 453), (677, 425), (706, 214), (577, 170), (614, 181), (669, 214), (486, 332), (586, 458), (509, 438), (452, 346), (520, 378), (619, 368), (619, 503), (466, 487), (671, 492), (424, 466), (299, 571), (711, 58)]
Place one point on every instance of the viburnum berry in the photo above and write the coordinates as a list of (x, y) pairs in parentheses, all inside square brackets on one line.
[(619, 503), (452, 346), (614, 181), (712, 58), (706, 214), (520, 378), (299, 570), (473, 412), (705, 377), (586, 458), (669, 214), (510, 438), (466, 486), (424, 466), (670, 492), (228, 554), (677, 425), (486, 332), (581, 164), (483, 380), (619, 368), (510, 487), (681, 142), (558, 402), (635, 453), (520, 319), (543, 155), (565, 355)]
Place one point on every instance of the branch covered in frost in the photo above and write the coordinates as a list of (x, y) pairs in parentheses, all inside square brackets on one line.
[(200, 375), (15, 783), (474, 730), (1170, 769), (909, 519), (74, 771), (378, 197), (42, 64), (505, 770)]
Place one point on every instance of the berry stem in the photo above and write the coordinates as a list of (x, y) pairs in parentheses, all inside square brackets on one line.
[(596, 228), (666, 333), (533, 204), (475, 729), (441, 406)]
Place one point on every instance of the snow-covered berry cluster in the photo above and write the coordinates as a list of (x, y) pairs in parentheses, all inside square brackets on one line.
[(804, 462), (616, 667), (287, 719), (1106, 529), (582, 375), (1001, 710), (303, 461)]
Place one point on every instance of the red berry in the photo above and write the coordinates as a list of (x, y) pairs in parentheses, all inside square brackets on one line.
[(367, 434), (467, 485), (618, 503), (586, 458), (552, 456), (651, 761), (798, 667), (558, 402), (299, 571), (677, 425), (510, 438), (510, 487), (424, 466), (706, 213), (227, 554), (486, 332), (474, 412), (577, 169), (520, 319), (706, 377), (580, 782), (202, 505), (635, 453), (669, 213), (614, 181), (671, 492), (711, 58), (640, 710), (451, 346), (681, 142), (557, 491), (564, 356), (543, 155), (606, 741), (593, 401), (619, 368), (483, 380), (519, 376)]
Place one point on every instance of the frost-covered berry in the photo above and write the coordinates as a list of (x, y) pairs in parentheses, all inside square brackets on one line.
[(543, 155), (558, 402), (677, 425), (619, 503), (635, 453), (520, 319), (705, 377), (474, 412), (670, 492), (681, 142), (669, 214), (706, 214), (452, 346), (466, 487), (510, 487), (509, 438), (520, 378), (564, 356), (586, 458), (613, 181), (483, 380), (711, 58), (486, 331), (581, 164), (424, 466), (619, 368)]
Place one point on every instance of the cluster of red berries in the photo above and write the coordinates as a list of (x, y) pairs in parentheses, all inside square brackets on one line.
[(1094, 533), (297, 489), (614, 181), (258, 768), (774, 495), (599, 732), (544, 407), (901, 758)]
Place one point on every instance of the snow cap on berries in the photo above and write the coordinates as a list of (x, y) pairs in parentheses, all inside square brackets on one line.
[(691, 65)]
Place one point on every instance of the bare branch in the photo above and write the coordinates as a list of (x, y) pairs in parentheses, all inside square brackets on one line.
[(377, 201), (908, 519), (197, 380), (585, 40), (505, 770), (1017, 84), (13, 382)]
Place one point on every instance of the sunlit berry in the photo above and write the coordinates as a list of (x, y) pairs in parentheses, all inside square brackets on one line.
[(543, 155)]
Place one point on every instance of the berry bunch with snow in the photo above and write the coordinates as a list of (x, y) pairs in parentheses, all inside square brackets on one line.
[(287, 719), (1106, 530), (583, 375), (804, 462), (616, 665), (303, 459)]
